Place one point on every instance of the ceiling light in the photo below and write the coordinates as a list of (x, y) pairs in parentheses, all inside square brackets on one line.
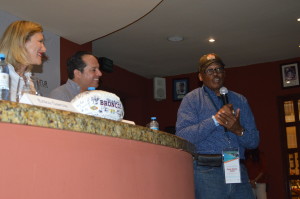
[(175, 38), (211, 40), (298, 19)]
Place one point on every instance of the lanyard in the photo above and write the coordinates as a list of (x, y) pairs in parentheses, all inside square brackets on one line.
[(210, 98), (217, 109)]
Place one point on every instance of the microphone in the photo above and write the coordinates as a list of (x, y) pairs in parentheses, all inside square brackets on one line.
[(223, 92)]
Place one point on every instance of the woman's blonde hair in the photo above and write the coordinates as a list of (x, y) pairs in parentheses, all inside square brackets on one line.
[(12, 43)]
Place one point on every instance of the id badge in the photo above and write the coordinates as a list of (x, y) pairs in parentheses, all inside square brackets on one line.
[(231, 163)]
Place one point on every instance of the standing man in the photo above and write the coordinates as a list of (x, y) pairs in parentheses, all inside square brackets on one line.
[(83, 72), (218, 130)]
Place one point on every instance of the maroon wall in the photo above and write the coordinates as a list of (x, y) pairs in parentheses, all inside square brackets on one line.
[(132, 90), (259, 83)]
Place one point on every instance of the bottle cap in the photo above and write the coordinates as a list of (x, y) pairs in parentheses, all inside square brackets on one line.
[(153, 118), (2, 56), (91, 88)]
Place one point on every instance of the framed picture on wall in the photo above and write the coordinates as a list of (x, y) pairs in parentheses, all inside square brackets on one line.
[(290, 75), (180, 88)]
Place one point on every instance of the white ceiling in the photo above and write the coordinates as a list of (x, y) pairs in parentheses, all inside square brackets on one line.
[(246, 31)]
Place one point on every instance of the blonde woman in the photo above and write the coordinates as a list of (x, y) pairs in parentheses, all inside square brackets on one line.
[(23, 45)]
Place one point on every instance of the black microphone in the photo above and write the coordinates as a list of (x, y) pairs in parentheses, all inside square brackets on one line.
[(223, 92)]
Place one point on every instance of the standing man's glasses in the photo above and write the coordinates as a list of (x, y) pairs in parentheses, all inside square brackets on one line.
[(211, 71)]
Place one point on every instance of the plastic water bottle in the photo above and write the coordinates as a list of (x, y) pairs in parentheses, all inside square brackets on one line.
[(154, 124), (4, 79)]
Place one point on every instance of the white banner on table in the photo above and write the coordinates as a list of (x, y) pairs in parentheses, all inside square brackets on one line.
[(47, 102)]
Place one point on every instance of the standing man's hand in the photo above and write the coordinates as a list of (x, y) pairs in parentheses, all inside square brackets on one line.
[(230, 119)]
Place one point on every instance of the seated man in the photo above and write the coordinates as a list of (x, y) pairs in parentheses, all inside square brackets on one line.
[(83, 72)]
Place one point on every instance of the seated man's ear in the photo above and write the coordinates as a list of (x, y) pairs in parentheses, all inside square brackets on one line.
[(77, 73)]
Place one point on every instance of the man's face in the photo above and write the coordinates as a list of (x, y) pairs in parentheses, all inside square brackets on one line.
[(90, 75), (213, 77)]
